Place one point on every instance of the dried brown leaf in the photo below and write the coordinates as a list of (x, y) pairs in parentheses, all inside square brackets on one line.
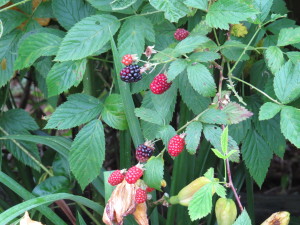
[(27, 221)]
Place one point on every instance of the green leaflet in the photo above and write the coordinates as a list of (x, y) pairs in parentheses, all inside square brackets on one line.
[(154, 172)]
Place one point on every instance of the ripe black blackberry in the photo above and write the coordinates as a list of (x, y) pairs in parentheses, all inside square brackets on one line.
[(131, 74), (144, 151)]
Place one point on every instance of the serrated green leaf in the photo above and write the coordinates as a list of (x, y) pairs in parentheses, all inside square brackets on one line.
[(257, 156), (290, 124), (198, 4), (287, 82), (166, 133), (209, 174), (268, 110), (218, 153), (70, 12), (154, 172), (194, 101), (294, 56), (214, 116), (274, 58), (64, 75), (87, 37), (131, 40), (201, 203), (201, 80), (225, 12), (238, 131), (193, 134), (264, 7), (35, 46), (165, 55), (87, 153), (220, 190), (176, 67), (174, 9), (52, 185), (224, 140), (243, 219), (79, 109), (10, 20), (277, 25), (149, 115), (236, 113), (213, 135), (233, 49), (190, 43), (204, 56), (289, 36), (121, 4), (113, 113)]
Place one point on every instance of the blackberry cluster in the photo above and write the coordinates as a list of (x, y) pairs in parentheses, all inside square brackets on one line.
[(131, 74), (143, 153)]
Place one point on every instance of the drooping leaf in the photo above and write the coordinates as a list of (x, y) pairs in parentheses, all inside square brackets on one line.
[(243, 219), (236, 113), (64, 75), (214, 116), (287, 82), (79, 109), (257, 156), (35, 46), (121, 4), (225, 12), (154, 172), (201, 80), (113, 113), (290, 124), (87, 36), (274, 58), (201, 203), (176, 67), (193, 134), (174, 9), (288, 36), (268, 110), (87, 153)]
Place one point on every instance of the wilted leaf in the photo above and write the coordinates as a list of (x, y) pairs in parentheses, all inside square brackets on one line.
[(27, 221), (140, 214)]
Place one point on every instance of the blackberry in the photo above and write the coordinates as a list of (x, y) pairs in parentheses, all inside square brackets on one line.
[(144, 152), (131, 74)]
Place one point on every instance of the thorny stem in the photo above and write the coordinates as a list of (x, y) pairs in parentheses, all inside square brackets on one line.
[(195, 119)]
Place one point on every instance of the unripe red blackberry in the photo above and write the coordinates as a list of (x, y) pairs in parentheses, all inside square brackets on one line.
[(134, 173), (159, 84), (131, 74), (181, 34), (144, 151), (116, 177), (176, 145), (140, 196)]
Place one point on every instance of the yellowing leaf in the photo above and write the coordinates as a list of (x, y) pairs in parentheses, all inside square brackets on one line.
[(27, 221)]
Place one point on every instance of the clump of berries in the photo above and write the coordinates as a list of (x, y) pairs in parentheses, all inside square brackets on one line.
[(134, 173), (116, 177), (181, 34), (144, 151), (176, 145), (140, 196), (131, 74), (160, 84)]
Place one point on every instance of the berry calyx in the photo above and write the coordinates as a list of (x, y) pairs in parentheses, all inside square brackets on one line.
[(116, 177), (131, 74), (149, 189), (134, 173), (144, 152), (181, 34), (159, 84), (140, 196), (176, 145)]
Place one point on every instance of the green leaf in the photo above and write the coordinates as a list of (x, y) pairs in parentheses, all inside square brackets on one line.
[(166, 133), (201, 80), (52, 185), (225, 12), (35, 46), (79, 109), (70, 12), (290, 124), (176, 67), (131, 40), (174, 9), (11, 19), (289, 36), (198, 4), (194, 101), (64, 75), (264, 7), (149, 115), (233, 49), (218, 153), (88, 152), (214, 116), (243, 219), (236, 113), (213, 135), (201, 203), (108, 189), (220, 189), (154, 172), (113, 113), (204, 56), (3, 2), (274, 58), (190, 43), (121, 4), (287, 82), (268, 110), (193, 134), (224, 140), (257, 156), (294, 57), (238, 131), (87, 37), (80, 220)]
